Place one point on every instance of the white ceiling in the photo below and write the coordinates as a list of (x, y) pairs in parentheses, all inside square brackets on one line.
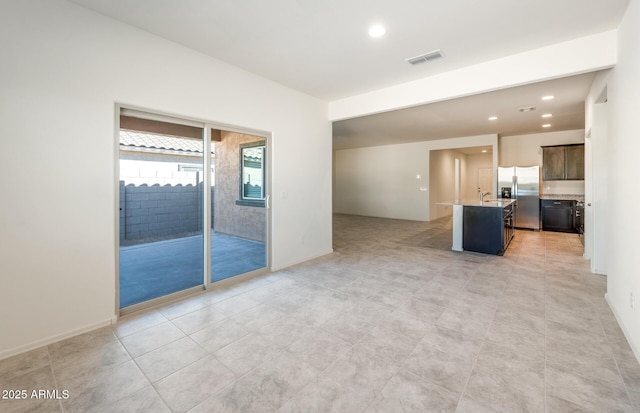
[(468, 116), (321, 47)]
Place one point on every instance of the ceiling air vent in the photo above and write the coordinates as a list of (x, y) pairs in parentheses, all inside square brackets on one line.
[(527, 109), (427, 57)]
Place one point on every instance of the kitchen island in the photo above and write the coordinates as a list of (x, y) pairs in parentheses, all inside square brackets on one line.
[(485, 227)]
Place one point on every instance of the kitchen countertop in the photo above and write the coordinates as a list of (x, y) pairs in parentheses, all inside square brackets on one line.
[(568, 197), (494, 203)]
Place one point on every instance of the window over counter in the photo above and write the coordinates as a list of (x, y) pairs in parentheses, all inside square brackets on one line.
[(252, 174)]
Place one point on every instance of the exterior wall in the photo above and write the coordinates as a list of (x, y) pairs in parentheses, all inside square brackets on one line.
[(150, 168), (157, 199), (152, 212), (229, 218)]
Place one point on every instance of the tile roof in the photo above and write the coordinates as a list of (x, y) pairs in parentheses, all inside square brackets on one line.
[(131, 140)]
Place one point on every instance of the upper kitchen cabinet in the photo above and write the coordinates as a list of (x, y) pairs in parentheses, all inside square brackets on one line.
[(563, 162), (574, 165), (553, 163)]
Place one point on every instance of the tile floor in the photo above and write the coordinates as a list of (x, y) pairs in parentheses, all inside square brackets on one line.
[(391, 322)]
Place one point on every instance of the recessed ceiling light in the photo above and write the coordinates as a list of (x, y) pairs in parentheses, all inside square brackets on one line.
[(546, 125), (549, 97), (547, 115), (493, 118), (377, 31), (484, 151)]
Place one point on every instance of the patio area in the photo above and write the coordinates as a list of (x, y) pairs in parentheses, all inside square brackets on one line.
[(155, 269)]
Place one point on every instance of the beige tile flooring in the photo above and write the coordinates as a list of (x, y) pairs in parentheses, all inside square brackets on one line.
[(391, 322)]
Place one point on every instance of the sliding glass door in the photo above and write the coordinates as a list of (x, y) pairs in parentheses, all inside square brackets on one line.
[(187, 220)]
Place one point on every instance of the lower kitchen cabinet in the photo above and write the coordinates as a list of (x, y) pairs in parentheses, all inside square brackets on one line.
[(486, 229), (558, 215)]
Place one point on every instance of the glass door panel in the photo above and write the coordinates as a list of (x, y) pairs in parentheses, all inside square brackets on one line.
[(238, 204), (161, 215)]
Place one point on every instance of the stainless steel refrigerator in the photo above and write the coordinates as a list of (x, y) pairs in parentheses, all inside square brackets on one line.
[(524, 182)]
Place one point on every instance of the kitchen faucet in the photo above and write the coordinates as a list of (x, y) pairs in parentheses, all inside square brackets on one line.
[(483, 194)]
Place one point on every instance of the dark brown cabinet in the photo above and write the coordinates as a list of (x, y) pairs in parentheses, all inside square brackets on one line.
[(487, 229), (563, 162), (574, 164), (558, 215), (553, 163)]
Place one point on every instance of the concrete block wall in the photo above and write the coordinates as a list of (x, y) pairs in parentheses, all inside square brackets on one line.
[(150, 212)]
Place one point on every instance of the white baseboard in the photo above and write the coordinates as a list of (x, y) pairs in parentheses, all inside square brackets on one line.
[(632, 344), (55, 338), (313, 257)]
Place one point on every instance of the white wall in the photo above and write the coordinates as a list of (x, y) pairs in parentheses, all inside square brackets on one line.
[(623, 92), (382, 181), (524, 150), (63, 70), (474, 164), (596, 147), (442, 180), (441, 177), (597, 205), (595, 93)]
